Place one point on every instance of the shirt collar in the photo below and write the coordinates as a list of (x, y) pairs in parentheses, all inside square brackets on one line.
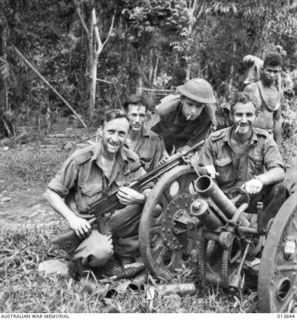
[(121, 155), (227, 138), (145, 132)]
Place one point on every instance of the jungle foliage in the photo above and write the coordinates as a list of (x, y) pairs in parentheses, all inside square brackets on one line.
[(154, 44)]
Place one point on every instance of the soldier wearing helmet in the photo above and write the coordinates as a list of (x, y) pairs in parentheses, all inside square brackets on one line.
[(186, 118)]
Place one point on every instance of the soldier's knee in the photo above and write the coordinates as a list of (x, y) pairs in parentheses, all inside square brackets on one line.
[(95, 250), (100, 257), (102, 252)]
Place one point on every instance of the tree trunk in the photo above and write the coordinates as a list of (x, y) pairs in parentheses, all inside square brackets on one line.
[(232, 67), (188, 69), (156, 70), (151, 66), (195, 10), (93, 65), (96, 46), (139, 89), (5, 79)]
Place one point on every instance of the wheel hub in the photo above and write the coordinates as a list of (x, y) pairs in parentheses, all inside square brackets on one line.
[(174, 223)]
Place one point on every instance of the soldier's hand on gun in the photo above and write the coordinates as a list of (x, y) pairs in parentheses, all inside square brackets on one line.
[(252, 186), (130, 196), (165, 157), (80, 226)]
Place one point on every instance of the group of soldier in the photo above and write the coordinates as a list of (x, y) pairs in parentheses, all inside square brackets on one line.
[(245, 155)]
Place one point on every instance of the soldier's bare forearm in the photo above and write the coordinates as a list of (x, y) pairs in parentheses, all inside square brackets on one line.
[(272, 176), (59, 205)]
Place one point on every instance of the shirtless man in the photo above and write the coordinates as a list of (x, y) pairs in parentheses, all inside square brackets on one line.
[(266, 94)]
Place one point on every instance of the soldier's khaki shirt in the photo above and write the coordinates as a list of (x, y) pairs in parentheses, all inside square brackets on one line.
[(81, 180), (149, 148), (261, 154)]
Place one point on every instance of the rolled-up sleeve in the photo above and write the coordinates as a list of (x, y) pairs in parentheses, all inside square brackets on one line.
[(272, 156), (65, 178), (206, 154)]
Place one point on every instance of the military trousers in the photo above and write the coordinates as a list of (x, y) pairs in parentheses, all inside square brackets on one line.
[(272, 197), (98, 247)]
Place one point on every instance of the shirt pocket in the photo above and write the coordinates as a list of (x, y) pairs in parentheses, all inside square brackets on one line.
[(146, 158), (255, 164), (146, 155), (90, 192), (224, 168)]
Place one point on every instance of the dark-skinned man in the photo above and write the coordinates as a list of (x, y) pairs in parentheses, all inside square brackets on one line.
[(147, 144), (246, 157), (266, 94), (88, 175)]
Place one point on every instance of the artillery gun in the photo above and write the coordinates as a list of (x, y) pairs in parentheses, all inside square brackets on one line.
[(188, 219)]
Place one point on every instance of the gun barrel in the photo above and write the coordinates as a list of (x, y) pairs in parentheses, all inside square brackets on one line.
[(205, 186), (200, 209)]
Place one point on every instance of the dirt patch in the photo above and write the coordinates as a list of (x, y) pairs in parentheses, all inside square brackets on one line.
[(26, 209), (26, 169)]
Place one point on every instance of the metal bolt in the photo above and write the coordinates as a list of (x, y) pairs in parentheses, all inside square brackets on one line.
[(196, 206)]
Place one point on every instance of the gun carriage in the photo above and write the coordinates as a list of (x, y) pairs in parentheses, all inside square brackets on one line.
[(188, 219)]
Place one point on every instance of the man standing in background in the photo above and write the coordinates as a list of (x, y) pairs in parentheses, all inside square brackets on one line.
[(266, 94)]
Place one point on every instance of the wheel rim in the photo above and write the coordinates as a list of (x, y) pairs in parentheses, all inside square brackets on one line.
[(277, 275)]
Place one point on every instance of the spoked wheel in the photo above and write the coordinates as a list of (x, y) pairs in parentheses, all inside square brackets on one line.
[(164, 244), (277, 282)]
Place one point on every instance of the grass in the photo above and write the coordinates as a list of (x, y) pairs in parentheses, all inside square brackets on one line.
[(24, 289), (27, 167)]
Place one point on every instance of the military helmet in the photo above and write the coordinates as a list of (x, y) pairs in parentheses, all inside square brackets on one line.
[(198, 90)]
